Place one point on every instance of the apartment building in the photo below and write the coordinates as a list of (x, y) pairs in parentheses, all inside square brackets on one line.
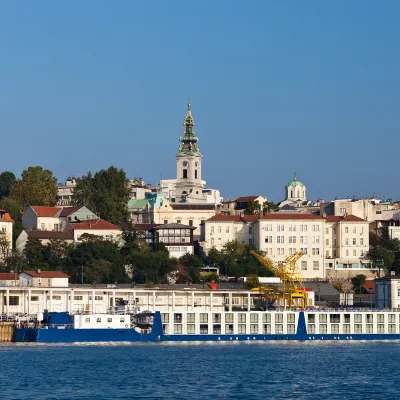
[(332, 247)]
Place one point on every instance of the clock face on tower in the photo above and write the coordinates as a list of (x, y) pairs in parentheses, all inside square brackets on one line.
[(185, 163)]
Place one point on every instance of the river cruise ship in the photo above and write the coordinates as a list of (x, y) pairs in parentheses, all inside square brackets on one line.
[(182, 326)]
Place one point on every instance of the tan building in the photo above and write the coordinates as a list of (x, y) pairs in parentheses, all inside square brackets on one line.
[(44, 279), (239, 205)]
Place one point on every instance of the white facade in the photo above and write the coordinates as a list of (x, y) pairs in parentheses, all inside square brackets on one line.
[(179, 250), (44, 279), (281, 236), (6, 230)]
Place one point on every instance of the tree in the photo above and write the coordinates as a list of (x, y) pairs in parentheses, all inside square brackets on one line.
[(12, 206), (358, 282), (37, 186), (7, 179), (34, 253), (252, 281), (5, 247), (253, 207), (105, 193), (269, 206), (97, 271)]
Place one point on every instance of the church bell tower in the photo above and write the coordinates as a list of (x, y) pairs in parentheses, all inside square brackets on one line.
[(189, 187)]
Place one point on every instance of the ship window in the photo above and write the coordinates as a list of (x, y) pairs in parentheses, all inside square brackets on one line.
[(335, 318), (87, 319), (322, 318), (34, 298), (216, 318), (370, 318), (78, 297), (229, 318), (56, 297), (369, 328), (267, 318), (191, 318), (291, 318), (216, 329), (254, 318), (228, 328), (310, 328), (358, 318), (357, 328), (278, 317), (165, 329), (165, 318), (98, 319), (381, 318), (392, 328), (392, 318), (242, 318), (346, 328), (122, 319), (203, 318), (178, 329), (191, 329), (323, 328), (335, 328), (278, 328), (381, 328), (267, 328), (178, 318), (203, 329), (242, 328), (291, 328), (346, 318), (254, 328), (311, 318), (109, 319)]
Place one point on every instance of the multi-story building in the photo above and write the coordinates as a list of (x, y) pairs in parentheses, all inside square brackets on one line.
[(65, 192), (335, 247), (177, 238), (368, 209), (280, 235), (239, 205), (6, 230)]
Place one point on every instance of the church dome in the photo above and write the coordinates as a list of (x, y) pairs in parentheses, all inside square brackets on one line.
[(295, 182)]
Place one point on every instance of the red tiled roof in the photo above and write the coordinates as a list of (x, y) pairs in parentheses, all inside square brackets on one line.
[(283, 215), (333, 218), (251, 218), (42, 211), (338, 218), (244, 199), (95, 224), (46, 274), (227, 218), (7, 216), (65, 211), (64, 235), (353, 218), (5, 276)]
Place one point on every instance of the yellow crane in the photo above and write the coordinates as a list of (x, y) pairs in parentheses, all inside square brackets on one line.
[(293, 291)]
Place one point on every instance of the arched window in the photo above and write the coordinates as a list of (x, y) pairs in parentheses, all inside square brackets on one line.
[(291, 193)]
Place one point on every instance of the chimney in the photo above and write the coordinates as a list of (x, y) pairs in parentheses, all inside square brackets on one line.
[(39, 271)]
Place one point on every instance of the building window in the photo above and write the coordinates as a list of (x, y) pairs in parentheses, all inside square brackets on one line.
[(354, 253), (343, 211), (315, 265), (346, 242), (190, 222), (227, 229), (268, 239), (178, 221), (315, 228), (195, 173), (334, 253), (346, 230), (354, 242), (347, 253), (42, 227), (219, 229), (334, 231), (212, 241), (304, 250), (185, 175), (315, 251), (304, 265), (361, 242), (327, 242), (165, 221), (212, 230)]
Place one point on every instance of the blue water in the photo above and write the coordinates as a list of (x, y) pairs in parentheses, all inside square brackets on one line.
[(311, 370)]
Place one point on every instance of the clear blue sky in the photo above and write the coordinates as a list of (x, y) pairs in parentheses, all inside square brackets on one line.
[(276, 87)]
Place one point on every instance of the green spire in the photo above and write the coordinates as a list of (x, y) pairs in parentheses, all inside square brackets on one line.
[(189, 139)]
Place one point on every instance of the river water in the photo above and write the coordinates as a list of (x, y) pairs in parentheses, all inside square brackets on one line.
[(311, 370)]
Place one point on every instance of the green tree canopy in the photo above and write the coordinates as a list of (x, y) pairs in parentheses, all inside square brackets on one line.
[(37, 186), (105, 193), (7, 179), (252, 281), (253, 207), (358, 283), (269, 206)]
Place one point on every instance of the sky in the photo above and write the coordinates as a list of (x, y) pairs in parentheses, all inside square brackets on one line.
[(276, 87)]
